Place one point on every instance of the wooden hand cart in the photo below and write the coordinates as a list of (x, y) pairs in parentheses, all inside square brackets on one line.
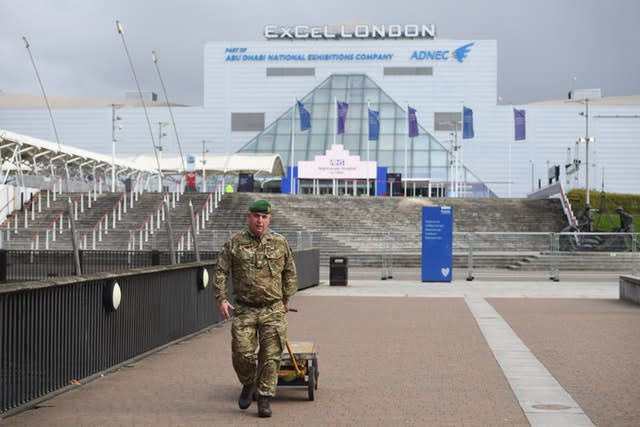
[(299, 366)]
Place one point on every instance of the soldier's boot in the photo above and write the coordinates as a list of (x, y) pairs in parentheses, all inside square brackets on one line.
[(244, 401), (264, 410)]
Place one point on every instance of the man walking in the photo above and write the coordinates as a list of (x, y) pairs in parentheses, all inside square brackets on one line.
[(264, 279)]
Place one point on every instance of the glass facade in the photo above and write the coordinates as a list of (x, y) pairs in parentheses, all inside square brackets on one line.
[(420, 158)]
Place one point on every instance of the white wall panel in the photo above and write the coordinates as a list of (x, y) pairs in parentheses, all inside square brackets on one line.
[(492, 155)]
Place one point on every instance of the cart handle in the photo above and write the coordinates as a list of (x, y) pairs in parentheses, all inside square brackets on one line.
[(293, 359)]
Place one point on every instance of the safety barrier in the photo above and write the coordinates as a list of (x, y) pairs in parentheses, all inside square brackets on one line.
[(59, 333)]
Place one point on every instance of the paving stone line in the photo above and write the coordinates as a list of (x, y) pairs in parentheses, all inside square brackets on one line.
[(543, 400)]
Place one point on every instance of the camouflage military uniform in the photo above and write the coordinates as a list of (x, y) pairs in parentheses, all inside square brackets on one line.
[(264, 278)]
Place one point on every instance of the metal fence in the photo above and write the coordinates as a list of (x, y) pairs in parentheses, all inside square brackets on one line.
[(54, 335), (538, 254), (533, 254), (40, 265)]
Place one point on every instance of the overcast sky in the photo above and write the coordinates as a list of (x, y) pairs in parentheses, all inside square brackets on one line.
[(545, 47)]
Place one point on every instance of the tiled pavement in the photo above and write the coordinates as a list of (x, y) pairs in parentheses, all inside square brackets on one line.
[(508, 352)]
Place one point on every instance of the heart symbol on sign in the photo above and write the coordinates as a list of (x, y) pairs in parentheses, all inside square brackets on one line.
[(444, 271)]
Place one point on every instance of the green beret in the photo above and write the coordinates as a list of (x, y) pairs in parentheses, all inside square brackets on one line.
[(261, 206)]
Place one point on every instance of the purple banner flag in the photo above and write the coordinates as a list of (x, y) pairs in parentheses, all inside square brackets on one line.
[(413, 122), (305, 117), (374, 125), (520, 124), (343, 107), (467, 123)]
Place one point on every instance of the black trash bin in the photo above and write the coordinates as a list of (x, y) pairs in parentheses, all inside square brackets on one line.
[(338, 271)]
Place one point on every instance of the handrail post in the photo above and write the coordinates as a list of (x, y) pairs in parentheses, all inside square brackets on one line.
[(74, 242), (195, 238), (390, 276), (555, 257), (3, 265), (172, 249), (634, 242), (470, 257)]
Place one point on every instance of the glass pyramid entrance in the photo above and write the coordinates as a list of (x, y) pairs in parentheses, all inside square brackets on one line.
[(419, 160)]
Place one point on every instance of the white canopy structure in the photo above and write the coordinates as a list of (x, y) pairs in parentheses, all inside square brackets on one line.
[(233, 164), (23, 154)]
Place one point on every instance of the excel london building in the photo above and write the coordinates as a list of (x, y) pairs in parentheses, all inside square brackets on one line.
[(501, 150), (351, 105)]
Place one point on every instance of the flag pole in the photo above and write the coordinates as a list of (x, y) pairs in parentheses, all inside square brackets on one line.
[(454, 178), (368, 188), (293, 127), (406, 141), (509, 142), (335, 133), (461, 159)]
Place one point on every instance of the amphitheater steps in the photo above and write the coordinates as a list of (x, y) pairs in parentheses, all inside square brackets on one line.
[(368, 231)]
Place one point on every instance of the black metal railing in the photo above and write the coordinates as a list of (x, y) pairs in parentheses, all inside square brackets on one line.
[(58, 332), (40, 265), (52, 335)]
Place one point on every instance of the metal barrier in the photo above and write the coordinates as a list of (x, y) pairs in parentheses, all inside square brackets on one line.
[(53, 335), (58, 333), (41, 265), (541, 255)]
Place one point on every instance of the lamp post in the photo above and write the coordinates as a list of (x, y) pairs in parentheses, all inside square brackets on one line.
[(204, 162), (114, 119), (160, 148), (454, 163), (586, 141)]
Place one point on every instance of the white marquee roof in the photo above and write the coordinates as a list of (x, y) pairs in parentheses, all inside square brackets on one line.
[(33, 153), (37, 154), (267, 164)]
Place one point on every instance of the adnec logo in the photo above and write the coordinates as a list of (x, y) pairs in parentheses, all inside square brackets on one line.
[(460, 54)]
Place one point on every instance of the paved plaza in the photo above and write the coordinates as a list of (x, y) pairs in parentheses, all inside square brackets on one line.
[(495, 351)]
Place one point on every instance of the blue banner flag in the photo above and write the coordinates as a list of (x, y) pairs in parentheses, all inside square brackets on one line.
[(305, 117), (374, 125), (343, 107), (519, 123), (413, 122), (467, 123)]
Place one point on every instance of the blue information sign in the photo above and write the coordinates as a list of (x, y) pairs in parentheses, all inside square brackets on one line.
[(437, 243)]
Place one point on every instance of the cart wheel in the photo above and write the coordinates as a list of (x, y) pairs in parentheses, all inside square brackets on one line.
[(317, 371), (312, 382)]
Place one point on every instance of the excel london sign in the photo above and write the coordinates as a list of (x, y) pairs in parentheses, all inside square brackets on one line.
[(360, 31)]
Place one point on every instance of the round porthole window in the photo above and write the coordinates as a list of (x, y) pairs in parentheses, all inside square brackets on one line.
[(203, 277), (112, 295)]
